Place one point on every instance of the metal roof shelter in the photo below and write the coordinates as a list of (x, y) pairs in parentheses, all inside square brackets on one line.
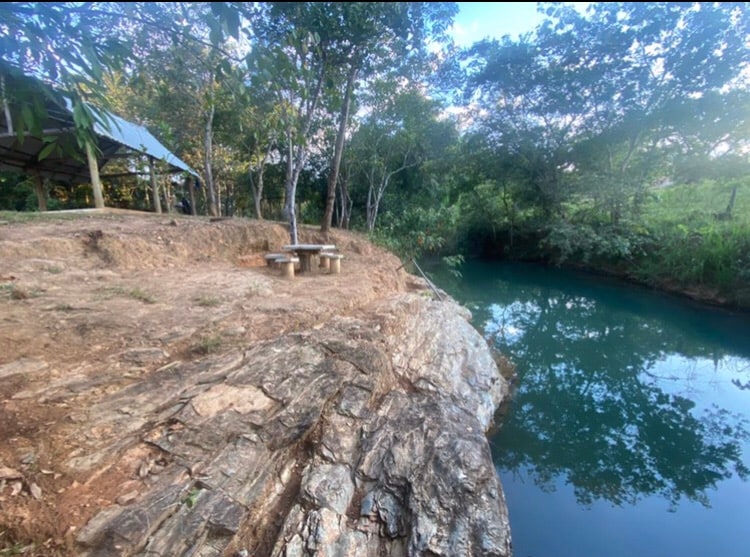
[(116, 139)]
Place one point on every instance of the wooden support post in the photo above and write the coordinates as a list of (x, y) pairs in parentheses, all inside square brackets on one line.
[(41, 192), (155, 198), (96, 183)]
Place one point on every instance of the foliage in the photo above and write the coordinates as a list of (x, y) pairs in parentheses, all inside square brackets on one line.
[(402, 133), (416, 232), (600, 104), (589, 244), (453, 262), (70, 47), (692, 248)]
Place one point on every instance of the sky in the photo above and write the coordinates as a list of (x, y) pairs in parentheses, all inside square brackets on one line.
[(478, 20)]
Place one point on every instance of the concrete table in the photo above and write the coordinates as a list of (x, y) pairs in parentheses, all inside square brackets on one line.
[(308, 252)]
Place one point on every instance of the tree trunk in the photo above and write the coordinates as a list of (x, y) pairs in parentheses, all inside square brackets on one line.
[(373, 201), (166, 187), (6, 107), (345, 204), (191, 194), (213, 204), (296, 157), (290, 190), (256, 186), (730, 206), (96, 183), (257, 190), (155, 197), (727, 213), (333, 176), (374, 197)]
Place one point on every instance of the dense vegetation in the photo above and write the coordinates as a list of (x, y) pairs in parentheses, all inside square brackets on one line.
[(615, 138)]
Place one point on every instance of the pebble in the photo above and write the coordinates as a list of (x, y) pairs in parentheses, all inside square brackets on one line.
[(127, 498), (36, 491)]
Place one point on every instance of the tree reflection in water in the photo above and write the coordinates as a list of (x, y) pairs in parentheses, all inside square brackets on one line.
[(589, 408)]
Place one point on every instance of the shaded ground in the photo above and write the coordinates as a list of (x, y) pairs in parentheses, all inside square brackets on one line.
[(94, 302)]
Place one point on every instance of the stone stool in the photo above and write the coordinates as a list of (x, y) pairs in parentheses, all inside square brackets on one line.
[(332, 262), (287, 266)]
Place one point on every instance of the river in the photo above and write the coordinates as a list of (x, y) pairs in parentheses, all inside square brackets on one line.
[(627, 435)]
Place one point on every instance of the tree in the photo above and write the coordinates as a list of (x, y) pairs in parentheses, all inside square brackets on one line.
[(360, 40), (593, 92), (184, 86), (343, 44), (402, 132), (71, 46), (286, 61), (260, 132)]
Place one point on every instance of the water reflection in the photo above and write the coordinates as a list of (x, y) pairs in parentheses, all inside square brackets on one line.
[(595, 404)]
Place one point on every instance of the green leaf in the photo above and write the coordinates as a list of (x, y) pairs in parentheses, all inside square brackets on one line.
[(47, 151), (27, 116)]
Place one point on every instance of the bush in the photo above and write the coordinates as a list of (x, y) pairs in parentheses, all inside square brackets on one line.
[(592, 244), (415, 232), (715, 255)]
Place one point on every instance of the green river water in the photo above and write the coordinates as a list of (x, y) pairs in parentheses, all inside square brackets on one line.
[(628, 433)]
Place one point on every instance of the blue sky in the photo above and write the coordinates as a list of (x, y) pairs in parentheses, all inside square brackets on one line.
[(478, 20)]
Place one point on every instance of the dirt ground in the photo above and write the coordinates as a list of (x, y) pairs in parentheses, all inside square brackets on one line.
[(94, 301)]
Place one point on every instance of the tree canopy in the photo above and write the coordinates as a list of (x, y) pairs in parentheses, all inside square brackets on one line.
[(556, 142)]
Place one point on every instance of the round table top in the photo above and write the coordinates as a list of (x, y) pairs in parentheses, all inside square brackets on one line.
[(309, 247)]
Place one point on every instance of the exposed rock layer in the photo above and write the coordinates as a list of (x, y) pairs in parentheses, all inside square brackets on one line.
[(366, 437)]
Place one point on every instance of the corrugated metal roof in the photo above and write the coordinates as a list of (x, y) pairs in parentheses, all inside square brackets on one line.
[(113, 135), (139, 139)]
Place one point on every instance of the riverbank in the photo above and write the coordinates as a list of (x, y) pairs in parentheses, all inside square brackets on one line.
[(698, 294), (164, 391)]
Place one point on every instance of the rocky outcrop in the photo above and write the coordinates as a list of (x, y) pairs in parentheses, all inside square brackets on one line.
[(363, 436)]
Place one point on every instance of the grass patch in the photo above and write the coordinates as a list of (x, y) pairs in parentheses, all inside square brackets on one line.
[(258, 289), (192, 497), (691, 246), (17, 549), (207, 344), (698, 204), (111, 291), (207, 301), (15, 217), (12, 291), (135, 293), (142, 296)]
